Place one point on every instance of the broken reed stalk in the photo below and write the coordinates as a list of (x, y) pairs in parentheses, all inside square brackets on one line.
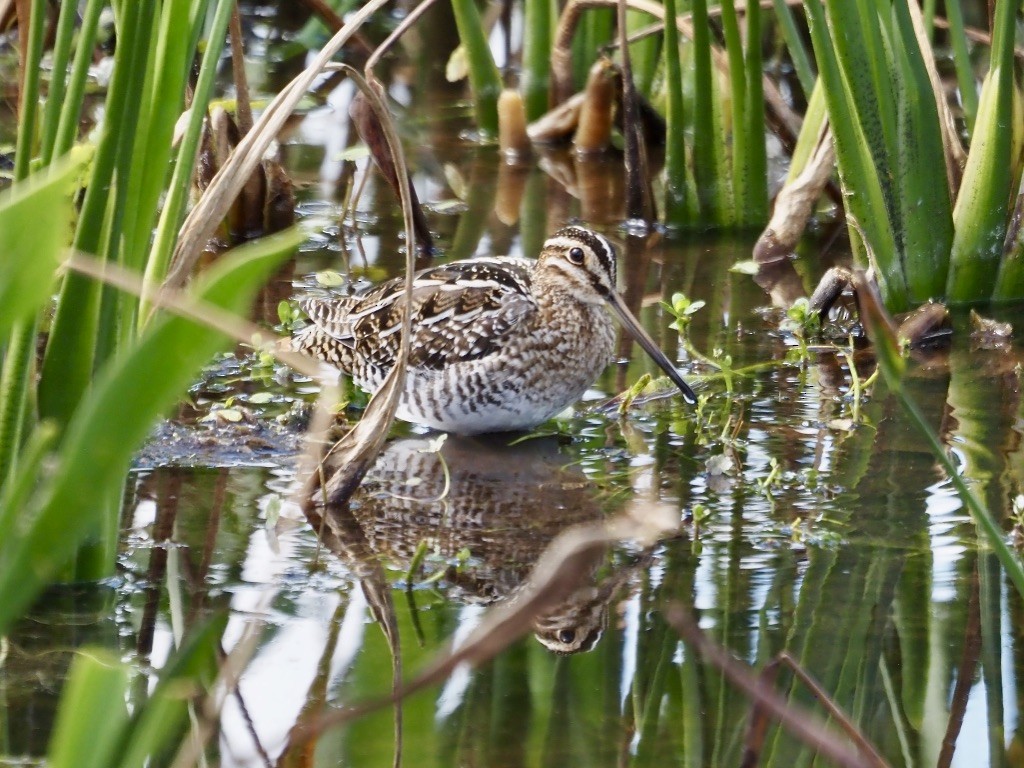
[(594, 127), (798, 722), (243, 107), (795, 203)]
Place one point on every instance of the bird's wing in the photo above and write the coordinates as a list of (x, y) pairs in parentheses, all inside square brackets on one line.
[(460, 311)]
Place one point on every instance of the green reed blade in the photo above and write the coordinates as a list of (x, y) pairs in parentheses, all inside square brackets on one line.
[(92, 715), (705, 143), (58, 79), (738, 104), (922, 186), (675, 149), (29, 102), (964, 69), (68, 361), (795, 44), (71, 109), (36, 217), (755, 162), (857, 143), (536, 77), (181, 179), (484, 79), (979, 216), (814, 117), (114, 419), (857, 37)]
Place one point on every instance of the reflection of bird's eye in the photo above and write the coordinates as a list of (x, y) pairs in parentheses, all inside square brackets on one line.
[(576, 255), (566, 636)]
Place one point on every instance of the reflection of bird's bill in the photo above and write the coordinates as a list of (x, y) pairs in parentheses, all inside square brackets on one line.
[(644, 339)]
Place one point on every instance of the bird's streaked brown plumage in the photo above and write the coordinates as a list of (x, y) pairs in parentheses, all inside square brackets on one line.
[(497, 344)]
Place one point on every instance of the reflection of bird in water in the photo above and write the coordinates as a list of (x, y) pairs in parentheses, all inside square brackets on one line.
[(503, 504), (498, 344)]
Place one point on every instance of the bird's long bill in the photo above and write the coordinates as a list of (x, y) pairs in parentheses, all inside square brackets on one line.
[(644, 339)]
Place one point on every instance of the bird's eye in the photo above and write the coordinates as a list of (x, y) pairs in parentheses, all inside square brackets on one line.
[(566, 636), (576, 255)]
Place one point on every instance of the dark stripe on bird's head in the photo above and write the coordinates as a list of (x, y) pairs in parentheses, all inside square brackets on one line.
[(599, 244)]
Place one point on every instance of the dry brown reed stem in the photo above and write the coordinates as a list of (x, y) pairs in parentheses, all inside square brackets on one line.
[(334, 22), (561, 56), (795, 202), (801, 724), (759, 716), (181, 303), (356, 451), (204, 218)]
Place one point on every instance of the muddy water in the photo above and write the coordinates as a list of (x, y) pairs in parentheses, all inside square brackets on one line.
[(813, 520)]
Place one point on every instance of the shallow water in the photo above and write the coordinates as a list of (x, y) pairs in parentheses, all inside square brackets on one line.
[(811, 520)]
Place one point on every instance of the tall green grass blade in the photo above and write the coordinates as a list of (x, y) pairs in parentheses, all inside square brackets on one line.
[(814, 117), (68, 360), (58, 79), (922, 187), (858, 41), (36, 217), (795, 44), (755, 163), (484, 80), (979, 216), (738, 105), (596, 31), (865, 199), (113, 421), (119, 217), (962, 60), (536, 77), (676, 212), (71, 109), (705, 143), (29, 97), (181, 179), (92, 714)]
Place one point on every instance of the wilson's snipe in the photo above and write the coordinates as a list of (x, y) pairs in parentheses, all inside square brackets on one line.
[(498, 344)]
